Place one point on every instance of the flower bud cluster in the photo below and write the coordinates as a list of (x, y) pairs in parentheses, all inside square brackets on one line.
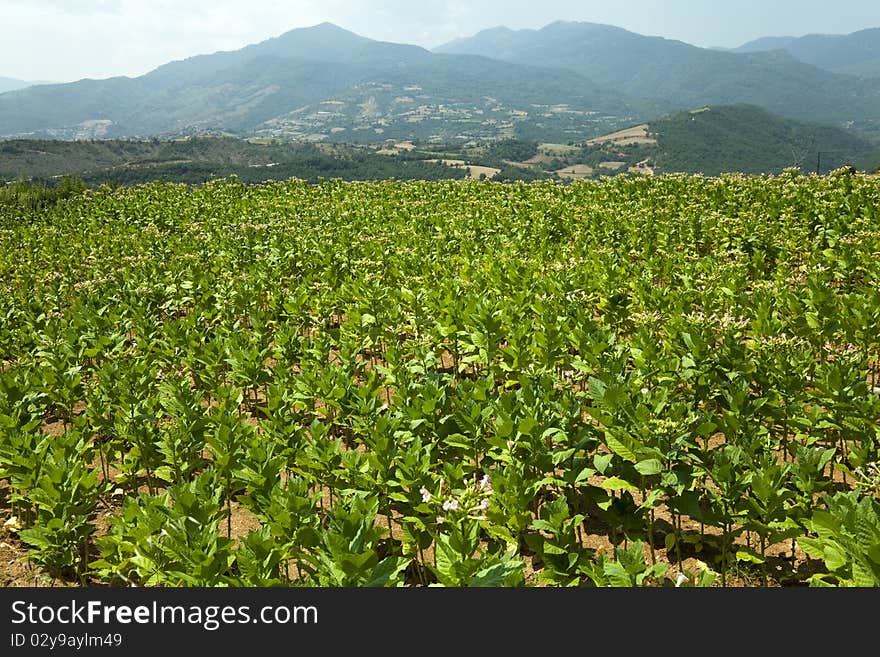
[(722, 321), (472, 500), (868, 478)]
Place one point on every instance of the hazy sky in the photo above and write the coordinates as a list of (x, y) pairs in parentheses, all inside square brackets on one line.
[(63, 40)]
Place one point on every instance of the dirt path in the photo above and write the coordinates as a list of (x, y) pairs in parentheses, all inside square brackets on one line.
[(474, 170)]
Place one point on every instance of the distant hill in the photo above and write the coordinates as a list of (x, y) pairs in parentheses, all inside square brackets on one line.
[(763, 44), (710, 140), (199, 159), (323, 83), (11, 84), (749, 139), (855, 54), (681, 74)]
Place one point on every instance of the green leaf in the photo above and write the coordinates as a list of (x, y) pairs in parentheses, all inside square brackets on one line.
[(617, 575), (835, 556), (601, 461), (620, 448), (550, 548), (616, 483), (496, 574), (504, 428), (165, 473), (387, 572), (597, 389), (707, 429), (649, 467), (447, 559), (527, 425), (653, 500), (502, 533), (747, 554), (584, 474), (459, 440), (562, 455)]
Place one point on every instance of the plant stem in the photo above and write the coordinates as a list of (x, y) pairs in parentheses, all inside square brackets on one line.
[(724, 554), (421, 567), (228, 510), (677, 525), (764, 564)]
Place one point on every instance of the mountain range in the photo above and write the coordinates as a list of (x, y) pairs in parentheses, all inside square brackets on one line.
[(318, 83), (682, 75), (564, 82), (855, 54)]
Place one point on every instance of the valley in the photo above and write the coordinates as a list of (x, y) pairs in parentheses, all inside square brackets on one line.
[(708, 140)]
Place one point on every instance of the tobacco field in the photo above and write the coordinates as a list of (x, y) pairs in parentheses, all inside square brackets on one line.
[(667, 381)]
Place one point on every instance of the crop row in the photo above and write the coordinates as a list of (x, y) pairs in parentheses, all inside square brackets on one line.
[(455, 383)]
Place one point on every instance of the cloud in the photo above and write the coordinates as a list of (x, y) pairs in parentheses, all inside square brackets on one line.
[(71, 39)]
